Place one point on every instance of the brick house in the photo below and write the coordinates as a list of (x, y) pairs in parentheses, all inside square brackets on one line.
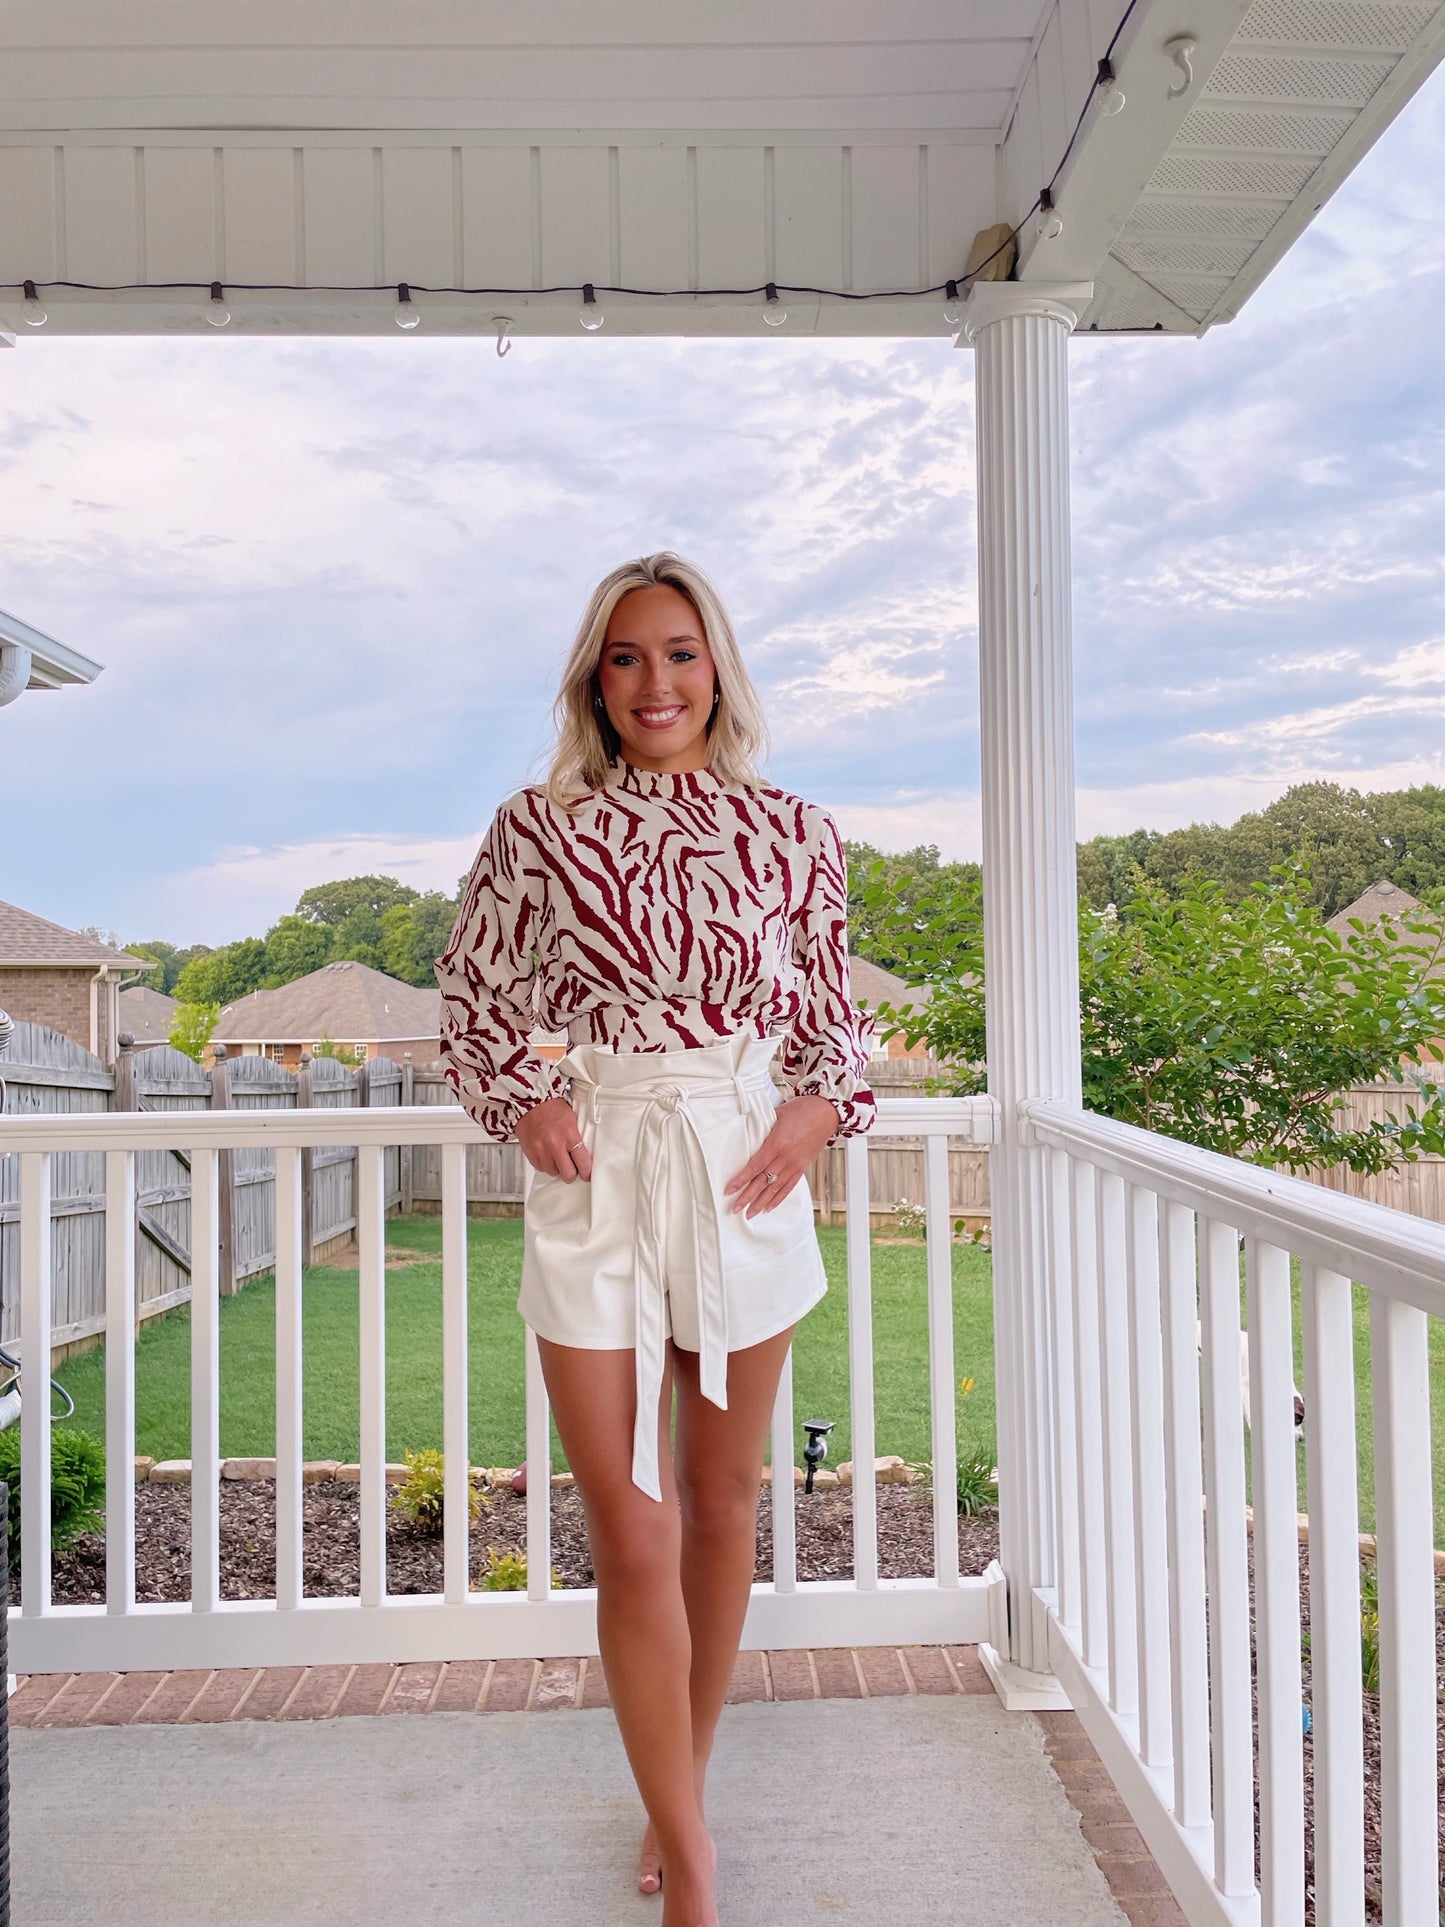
[(57, 977), (1386, 899), (348, 1003), (147, 1014)]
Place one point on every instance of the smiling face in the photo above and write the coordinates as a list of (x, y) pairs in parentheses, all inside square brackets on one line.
[(656, 677)]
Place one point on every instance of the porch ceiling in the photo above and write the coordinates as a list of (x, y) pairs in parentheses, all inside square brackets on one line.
[(320, 151)]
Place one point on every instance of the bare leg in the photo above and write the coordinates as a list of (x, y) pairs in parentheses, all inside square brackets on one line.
[(641, 1614), (718, 1475)]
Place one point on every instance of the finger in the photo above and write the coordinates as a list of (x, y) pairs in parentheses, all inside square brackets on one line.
[(771, 1198)]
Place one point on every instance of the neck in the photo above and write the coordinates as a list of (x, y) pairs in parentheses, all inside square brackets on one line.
[(693, 757)]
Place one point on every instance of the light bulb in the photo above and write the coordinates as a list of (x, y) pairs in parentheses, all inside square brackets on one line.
[(217, 313), (591, 316), (30, 307), (774, 313), (952, 312), (1048, 222), (1114, 101), (408, 315)]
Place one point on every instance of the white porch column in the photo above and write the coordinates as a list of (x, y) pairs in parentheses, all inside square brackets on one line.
[(1020, 333)]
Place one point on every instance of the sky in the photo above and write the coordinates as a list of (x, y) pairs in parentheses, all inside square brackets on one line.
[(333, 582)]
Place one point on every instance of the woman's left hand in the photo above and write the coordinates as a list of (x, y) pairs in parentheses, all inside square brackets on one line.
[(801, 1128)]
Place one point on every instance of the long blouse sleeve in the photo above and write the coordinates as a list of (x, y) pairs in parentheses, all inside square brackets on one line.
[(486, 975), (825, 1053)]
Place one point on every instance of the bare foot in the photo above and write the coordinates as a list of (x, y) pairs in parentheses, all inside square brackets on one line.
[(691, 1899), (649, 1863)]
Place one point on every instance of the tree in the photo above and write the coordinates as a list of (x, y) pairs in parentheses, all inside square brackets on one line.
[(221, 976), (192, 1026), (413, 936), (334, 903), (294, 948), (1231, 1026), (165, 959), (911, 874), (343, 1053)]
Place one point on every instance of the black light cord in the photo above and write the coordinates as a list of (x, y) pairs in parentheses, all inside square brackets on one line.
[(950, 287)]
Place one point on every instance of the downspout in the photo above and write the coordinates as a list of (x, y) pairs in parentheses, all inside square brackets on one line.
[(97, 991), (15, 662)]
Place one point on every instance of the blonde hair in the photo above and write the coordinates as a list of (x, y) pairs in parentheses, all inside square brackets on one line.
[(586, 741)]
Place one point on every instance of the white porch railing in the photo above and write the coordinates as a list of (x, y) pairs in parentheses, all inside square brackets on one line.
[(456, 1623), (1150, 1422)]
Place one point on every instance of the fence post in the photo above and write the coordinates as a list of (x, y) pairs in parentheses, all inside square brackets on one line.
[(408, 1097), (125, 1098), (226, 1177), (303, 1103)]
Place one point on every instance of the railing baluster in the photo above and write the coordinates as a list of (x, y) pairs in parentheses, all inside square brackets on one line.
[(119, 1381), (455, 1426), (1405, 1569), (943, 1395), (1146, 1395), (1088, 1438), (539, 1477), (288, 1377), (1183, 1484), (371, 1267), (205, 1381), (860, 1364), (785, 1529), (1065, 1428), (1276, 1585), (35, 1307), (1227, 1555), (1118, 1440), (1332, 1477)]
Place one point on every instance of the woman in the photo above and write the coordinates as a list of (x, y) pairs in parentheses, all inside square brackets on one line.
[(683, 920)]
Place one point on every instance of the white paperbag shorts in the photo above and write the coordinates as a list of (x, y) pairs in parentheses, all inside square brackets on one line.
[(649, 1248)]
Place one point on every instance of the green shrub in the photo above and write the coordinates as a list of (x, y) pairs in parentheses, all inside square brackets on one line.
[(1370, 1625), (507, 1572), (421, 1496), (77, 1486)]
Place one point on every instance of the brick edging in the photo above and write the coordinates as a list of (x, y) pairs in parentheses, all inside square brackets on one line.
[(545, 1686)]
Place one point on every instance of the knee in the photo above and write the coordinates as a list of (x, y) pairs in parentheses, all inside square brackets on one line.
[(632, 1547), (718, 1498)]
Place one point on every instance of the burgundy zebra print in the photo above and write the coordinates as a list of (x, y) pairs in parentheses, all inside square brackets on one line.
[(669, 911)]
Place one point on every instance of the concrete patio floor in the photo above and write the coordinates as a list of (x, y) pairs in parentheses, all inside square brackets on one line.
[(909, 1811)]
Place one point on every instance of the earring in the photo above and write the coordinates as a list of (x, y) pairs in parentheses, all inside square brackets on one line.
[(716, 697)]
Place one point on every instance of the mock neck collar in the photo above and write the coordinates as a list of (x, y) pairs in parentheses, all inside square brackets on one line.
[(669, 784)]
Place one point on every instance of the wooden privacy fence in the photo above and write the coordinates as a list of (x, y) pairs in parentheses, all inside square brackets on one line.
[(47, 1073), (44, 1072)]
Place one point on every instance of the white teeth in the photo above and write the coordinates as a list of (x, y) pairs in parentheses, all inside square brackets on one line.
[(658, 715)]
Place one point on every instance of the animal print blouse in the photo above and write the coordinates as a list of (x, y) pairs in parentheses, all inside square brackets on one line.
[(669, 911)]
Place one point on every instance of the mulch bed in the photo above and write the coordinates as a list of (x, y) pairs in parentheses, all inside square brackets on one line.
[(331, 1514)]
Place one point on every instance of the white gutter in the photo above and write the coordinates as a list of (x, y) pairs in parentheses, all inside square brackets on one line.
[(29, 659)]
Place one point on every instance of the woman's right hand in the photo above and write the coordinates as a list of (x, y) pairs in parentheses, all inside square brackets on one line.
[(551, 1140)]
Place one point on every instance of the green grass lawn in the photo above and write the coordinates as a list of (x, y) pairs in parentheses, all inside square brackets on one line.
[(413, 1345), (414, 1360)]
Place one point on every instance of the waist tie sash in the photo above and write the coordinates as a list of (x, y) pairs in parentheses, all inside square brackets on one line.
[(670, 1142)]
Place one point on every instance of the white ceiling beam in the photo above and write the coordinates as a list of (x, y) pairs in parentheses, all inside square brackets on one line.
[(1115, 155)]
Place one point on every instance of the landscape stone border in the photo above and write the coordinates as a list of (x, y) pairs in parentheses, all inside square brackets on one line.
[(559, 1685), (890, 1470)]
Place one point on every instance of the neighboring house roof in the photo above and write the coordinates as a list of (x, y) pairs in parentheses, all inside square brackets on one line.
[(1382, 899), (348, 1002), (147, 1014), (872, 985), (28, 940)]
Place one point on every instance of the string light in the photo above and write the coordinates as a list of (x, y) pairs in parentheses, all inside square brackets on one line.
[(1049, 225), (408, 315)]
